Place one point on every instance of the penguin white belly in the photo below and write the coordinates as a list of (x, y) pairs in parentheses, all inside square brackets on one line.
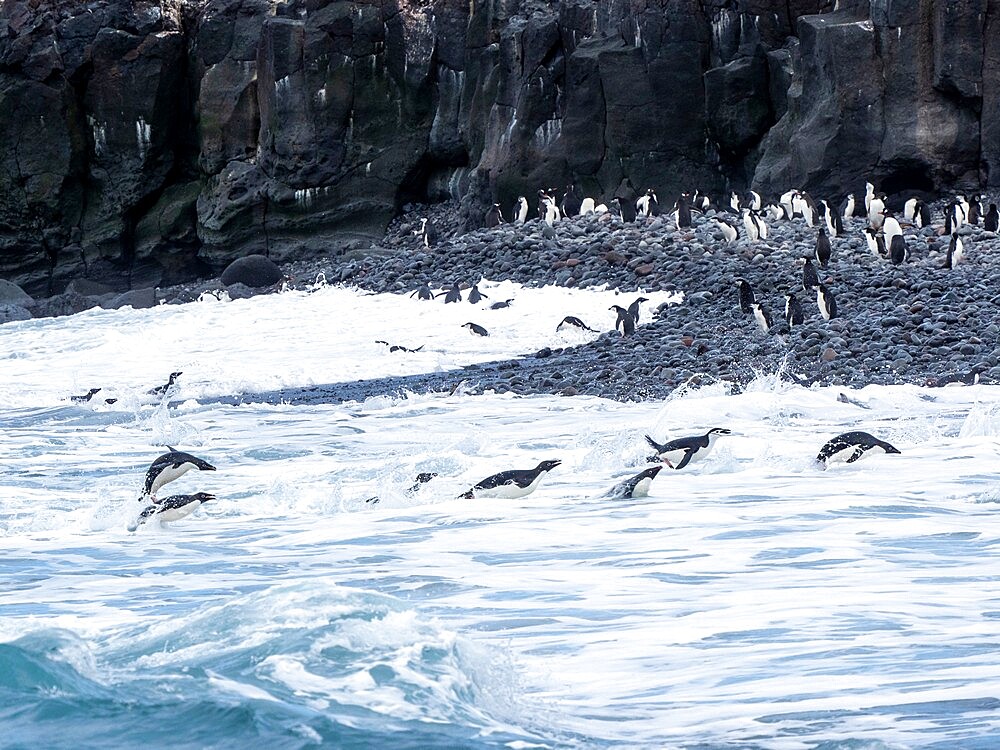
[(642, 487), (176, 514), (169, 474), (587, 206), (509, 491), (852, 453)]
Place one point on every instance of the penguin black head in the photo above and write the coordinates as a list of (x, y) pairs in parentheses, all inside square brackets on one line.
[(720, 431), (548, 465), (173, 377), (889, 448), (203, 465), (203, 497)]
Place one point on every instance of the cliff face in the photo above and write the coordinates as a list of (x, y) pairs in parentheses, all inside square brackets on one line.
[(145, 142)]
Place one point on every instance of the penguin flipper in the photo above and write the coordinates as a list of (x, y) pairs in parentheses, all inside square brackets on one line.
[(688, 455), (858, 453), (468, 495), (656, 445)]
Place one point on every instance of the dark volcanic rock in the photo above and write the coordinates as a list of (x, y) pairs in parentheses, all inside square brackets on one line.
[(252, 271)]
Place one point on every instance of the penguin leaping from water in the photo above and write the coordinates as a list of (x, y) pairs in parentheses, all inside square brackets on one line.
[(572, 320), (172, 508), (851, 446), (169, 467), (680, 452), (511, 484), (635, 486)]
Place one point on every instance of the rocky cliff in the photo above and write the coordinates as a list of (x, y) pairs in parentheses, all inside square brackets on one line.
[(149, 141)]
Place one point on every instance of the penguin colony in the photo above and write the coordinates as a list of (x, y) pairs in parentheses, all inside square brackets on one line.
[(676, 454)]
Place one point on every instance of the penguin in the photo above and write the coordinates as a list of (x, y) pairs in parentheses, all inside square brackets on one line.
[(422, 292), (521, 210), (991, 223), (793, 311), (890, 227), (729, 232), (775, 211), (426, 233), (810, 279), (922, 215), (747, 298), (543, 204), (847, 207), (897, 250), (823, 249), (170, 466), (785, 201), (85, 397), (451, 295), (570, 203), (625, 323), (954, 216), (834, 224), (626, 195), (172, 508), (876, 243), (633, 309), (476, 296), (398, 348), (572, 320), (552, 214), (614, 208), (476, 329), (956, 250), (910, 209), (646, 205), (161, 390), (701, 201), (682, 212), (762, 316), (734, 201), (755, 226), (869, 197), (678, 453), (494, 217), (876, 212), (975, 210), (587, 206), (636, 486), (511, 484), (802, 203), (501, 305), (850, 446), (826, 302)]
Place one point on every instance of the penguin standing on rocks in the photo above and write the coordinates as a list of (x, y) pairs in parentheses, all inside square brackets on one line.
[(422, 292), (991, 223), (625, 323), (476, 296), (636, 486), (810, 279), (834, 225), (897, 250), (762, 316), (729, 232), (476, 329), (678, 453), (755, 226), (511, 484), (956, 251), (747, 298), (753, 200), (826, 302), (890, 227), (847, 207), (734, 201), (851, 446), (633, 309), (823, 249), (876, 243), (876, 212), (169, 467), (975, 209), (954, 216), (626, 195), (543, 204), (682, 211), (921, 215), (793, 311), (869, 197), (494, 217), (521, 210), (571, 202), (451, 295), (572, 320), (646, 204)]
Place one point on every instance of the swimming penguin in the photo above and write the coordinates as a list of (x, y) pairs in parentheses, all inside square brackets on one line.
[(511, 484), (451, 295), (161, 390), (172, 508), (501, 305), (680, 452), (897, 250), (826, 302), (625, 323), (422, 292), (572, 320), (746, 295), (793, 310), (636, 486), (682, 211), (810, 279), (762, 316), (644, 206), (847, 207), (823, 249), (475, 296), (168, 467), (521, 210), (398, 348), (729, 232), (494, 217), (476, 329), (571, 202), (633, 309), (850, 446), (956, 250), (992, 221), (85, 397)]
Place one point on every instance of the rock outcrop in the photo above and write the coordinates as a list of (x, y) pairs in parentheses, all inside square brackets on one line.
[(148, 142)]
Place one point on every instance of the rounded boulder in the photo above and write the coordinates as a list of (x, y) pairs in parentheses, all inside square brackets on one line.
[(253, 270)]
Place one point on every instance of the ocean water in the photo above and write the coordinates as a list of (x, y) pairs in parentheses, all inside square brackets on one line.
[(751, 601)]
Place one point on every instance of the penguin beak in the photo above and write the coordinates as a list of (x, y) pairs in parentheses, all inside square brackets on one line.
[(206, 466)]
